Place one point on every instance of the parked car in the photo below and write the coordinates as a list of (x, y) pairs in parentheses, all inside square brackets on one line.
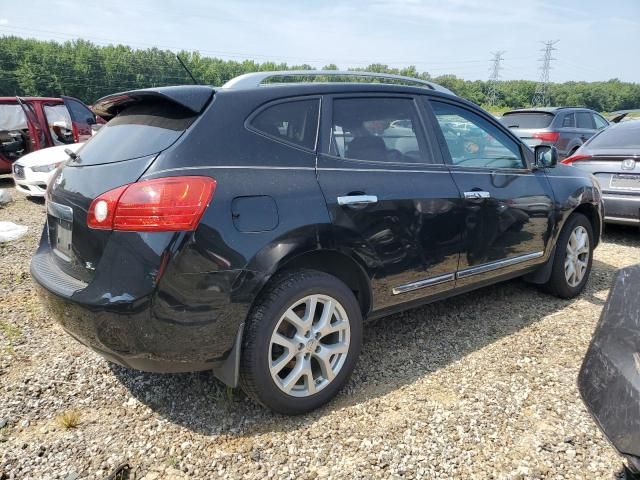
[(28, 124), (250, 229), (613, 156), (32, 173), (609, 380), (566, 128)]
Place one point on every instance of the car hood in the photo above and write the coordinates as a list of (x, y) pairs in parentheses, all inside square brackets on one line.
[(47, 156)]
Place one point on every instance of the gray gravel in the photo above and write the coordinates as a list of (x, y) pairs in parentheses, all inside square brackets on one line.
[(481, 386)]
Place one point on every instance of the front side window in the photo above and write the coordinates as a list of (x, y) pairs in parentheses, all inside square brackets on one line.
[(600, 122), (585, 120), (378, 130), (293, 122), (473, 141), (59, 123)]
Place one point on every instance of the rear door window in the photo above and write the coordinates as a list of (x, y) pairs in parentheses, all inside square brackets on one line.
[(527, 119), (294, 122), (139, 130), (585, 120), (377, 129), (569, 121)]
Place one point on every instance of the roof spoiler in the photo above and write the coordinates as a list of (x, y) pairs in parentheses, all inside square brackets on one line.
[(193, 97)]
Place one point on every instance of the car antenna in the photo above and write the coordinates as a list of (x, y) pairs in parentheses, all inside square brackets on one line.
[(195, 82)]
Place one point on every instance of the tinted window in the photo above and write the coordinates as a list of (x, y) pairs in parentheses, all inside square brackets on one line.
[(626, 135), (600, 122), (377, 129), (294, 122), (475, 142), (569, 120), (79, 112), (140, 130), (585, 120), (527, 120)]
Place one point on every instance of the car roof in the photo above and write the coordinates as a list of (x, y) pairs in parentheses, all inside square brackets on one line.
[(545, 110), (31, 99)]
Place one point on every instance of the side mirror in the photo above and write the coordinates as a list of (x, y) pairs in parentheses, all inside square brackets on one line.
[(546, 156)]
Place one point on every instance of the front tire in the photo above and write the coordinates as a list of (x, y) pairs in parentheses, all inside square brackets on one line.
[(573, 258), (301, 342)]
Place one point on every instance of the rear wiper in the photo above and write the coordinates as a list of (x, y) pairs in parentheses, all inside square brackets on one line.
[(72, 154)]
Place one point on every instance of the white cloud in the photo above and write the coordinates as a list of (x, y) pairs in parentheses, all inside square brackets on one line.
[(4, 21)]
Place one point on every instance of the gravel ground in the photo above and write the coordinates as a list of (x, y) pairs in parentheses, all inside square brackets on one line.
[(481, 386)]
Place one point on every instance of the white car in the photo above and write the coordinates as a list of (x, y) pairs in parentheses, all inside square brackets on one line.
[(32, 172)]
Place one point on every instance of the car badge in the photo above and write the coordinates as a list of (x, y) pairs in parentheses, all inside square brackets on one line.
[(628, 164)]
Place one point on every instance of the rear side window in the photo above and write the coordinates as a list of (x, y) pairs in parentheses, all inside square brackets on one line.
[(623, 136), (378, 130), (139, 130), (585, 120), (80, 112), (569, 120), (293, 122), (59, 124), (600, 122), (527, 120)]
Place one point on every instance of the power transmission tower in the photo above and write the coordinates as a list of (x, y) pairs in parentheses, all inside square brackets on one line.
[(495, 76), (541, 97)]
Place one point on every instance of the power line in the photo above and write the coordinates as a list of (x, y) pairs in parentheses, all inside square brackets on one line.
[(495, 75), (541, 96)]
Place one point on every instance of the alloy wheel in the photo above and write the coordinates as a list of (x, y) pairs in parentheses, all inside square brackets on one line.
[(309, 345), (577, 256)]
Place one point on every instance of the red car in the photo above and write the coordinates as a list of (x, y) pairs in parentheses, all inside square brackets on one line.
[(31, 123)]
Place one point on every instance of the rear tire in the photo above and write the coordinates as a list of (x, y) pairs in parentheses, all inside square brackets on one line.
[(573, 258), (301, 343)]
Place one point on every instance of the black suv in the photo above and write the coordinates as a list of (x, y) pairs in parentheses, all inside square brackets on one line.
[(566, 128), (250, 229)]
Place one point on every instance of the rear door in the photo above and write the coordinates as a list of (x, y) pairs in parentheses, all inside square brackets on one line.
[(508, 206), (81, 119), (585, 125), (36, 133), (390, 197)]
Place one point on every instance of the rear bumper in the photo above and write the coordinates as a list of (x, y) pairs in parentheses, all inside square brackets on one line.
[(185, 322), (609, 380), (623, 209)]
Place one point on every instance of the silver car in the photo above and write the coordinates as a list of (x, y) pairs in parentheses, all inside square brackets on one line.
[(613, 156), (566, 128)]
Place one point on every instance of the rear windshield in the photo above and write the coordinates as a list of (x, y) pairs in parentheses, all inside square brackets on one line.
[(139, 130), (623, 136), (527, 120)]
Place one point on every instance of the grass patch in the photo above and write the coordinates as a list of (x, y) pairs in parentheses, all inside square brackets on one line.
[(69, 419), (10, 331)]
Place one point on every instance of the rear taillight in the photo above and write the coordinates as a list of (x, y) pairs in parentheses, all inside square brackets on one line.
[(547, 136), (160, 205), (574, 158)]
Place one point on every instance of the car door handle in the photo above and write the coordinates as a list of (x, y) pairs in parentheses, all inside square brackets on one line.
[(476, 195), (357, 200)]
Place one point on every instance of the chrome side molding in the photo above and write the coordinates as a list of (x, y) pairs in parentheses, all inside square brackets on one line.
[(467, 272), (409, 287)]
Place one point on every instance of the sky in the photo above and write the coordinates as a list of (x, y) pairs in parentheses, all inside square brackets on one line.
[(597, 40)]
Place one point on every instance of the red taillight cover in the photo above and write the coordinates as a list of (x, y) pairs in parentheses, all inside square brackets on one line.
[(547, 136), (159, 205), (574, 158)]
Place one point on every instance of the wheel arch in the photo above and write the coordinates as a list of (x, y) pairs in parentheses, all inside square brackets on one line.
[(591, 212)]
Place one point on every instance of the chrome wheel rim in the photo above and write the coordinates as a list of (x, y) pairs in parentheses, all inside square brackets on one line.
[(577, 258), (309, 345)]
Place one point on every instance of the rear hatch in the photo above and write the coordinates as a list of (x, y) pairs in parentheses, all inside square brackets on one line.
[(144, 124), (526, 124)]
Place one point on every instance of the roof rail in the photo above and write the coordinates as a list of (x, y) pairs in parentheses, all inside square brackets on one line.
[(256, 79)]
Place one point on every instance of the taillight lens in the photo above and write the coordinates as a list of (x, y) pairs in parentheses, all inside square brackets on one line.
[(547, 136), (574, 158), (160, 205)]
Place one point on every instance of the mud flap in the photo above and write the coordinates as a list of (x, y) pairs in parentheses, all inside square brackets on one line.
[(229, 371)]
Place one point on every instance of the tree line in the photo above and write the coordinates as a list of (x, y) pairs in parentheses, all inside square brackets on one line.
[(82, 69)]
